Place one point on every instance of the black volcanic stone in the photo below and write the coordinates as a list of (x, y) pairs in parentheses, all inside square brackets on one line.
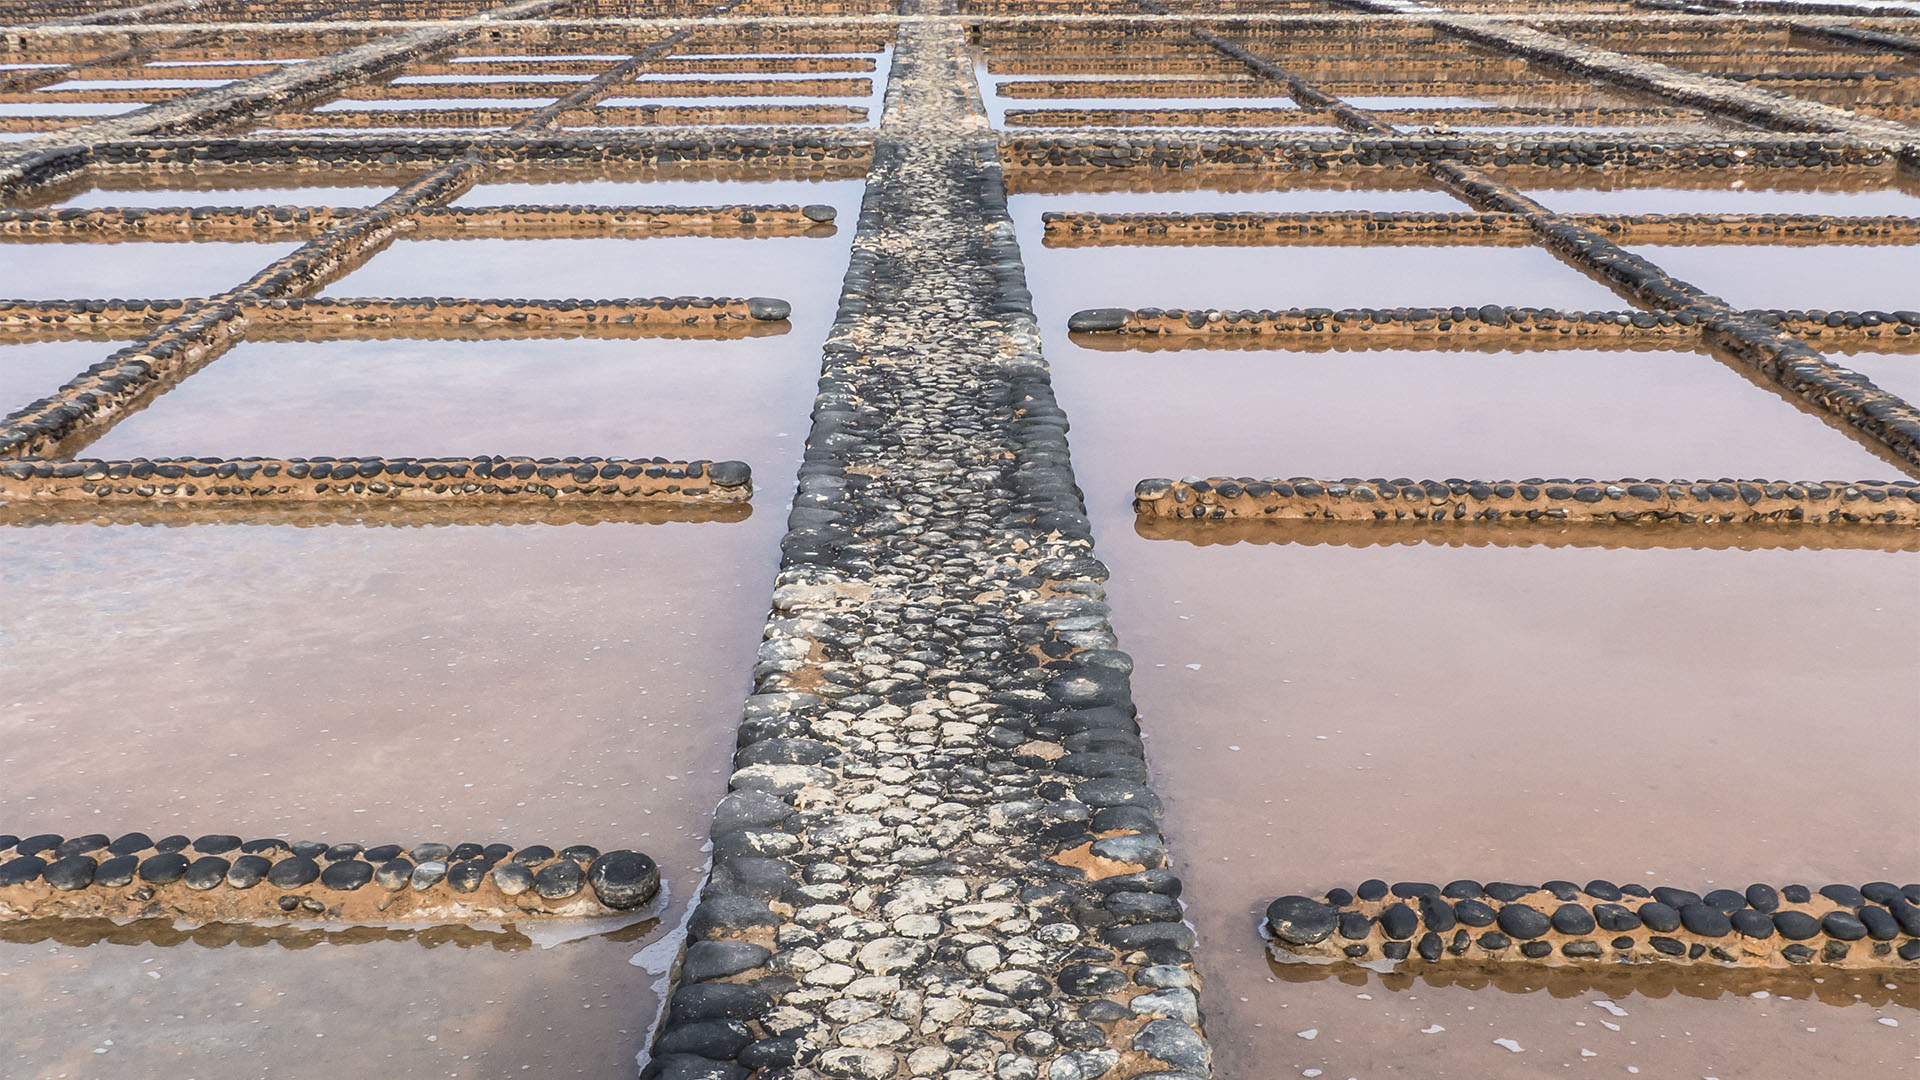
[(76, 872), (1355, 926), (116, 871), (1750, 923), (561, 880), (207, 872), (1399, 922), (580, 853), (38, 843), (512, 878), (1797, 954), (466, 875), (718, 1040), (1796, 925), (1535, 950), (1463, 889), (1615, 918), (1675, 898), (1601, 889), (7, 840), (1845, 895), (1523, 922), (1907, 915), (307, 849), (1506, 891), (1796, 894), (772, 1053), (493, 853), (80, 845), (294, 872), (167, 845), (1725, 901), (130, 843), (460, 852), (1763, 898), (1339, 897), (717, 1001), (1563, 891), (1660, 917), (1573, 919), (1880, 925), (1090, 980), (1396, 950), (342, 852), (216, 844), (346, 875), (1667, 946), (1494, 941), (248, 871), (1475, 913), (265, 846), (1302, 920), (1409, 890), (1436, 913), (624, 880), (382, 853), (1705, 920), (1843, 925), (430, 853), (21, 870), (705, 960), (164, 869), (1880, 892), (533, 855), (1371, 889), (394, 874), (1430, 946)]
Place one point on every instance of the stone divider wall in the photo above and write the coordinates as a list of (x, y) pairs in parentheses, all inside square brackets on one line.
[(938, 855), (375, 480), (1687, 502), (220, 878), (260, 223), (1874, 926)]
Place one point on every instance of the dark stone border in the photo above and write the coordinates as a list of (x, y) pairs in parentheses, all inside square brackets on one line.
[(222, 878), (356, 480), (1547, 500), (1874, 926)]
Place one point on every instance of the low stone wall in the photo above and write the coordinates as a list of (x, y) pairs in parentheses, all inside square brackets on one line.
[(261, 223), (358, 480), (1550, 500), (221, 878), (1875, 926), (300, 318), (1075, 229), (1283, 152), (1519, 327)]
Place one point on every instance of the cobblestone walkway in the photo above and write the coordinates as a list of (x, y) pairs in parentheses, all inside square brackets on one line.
[(926, 864)]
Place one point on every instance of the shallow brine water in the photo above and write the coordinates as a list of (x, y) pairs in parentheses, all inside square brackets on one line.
[(409, 677), (1831, 278), (1324, 706), (134, 270), (30, 371)]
